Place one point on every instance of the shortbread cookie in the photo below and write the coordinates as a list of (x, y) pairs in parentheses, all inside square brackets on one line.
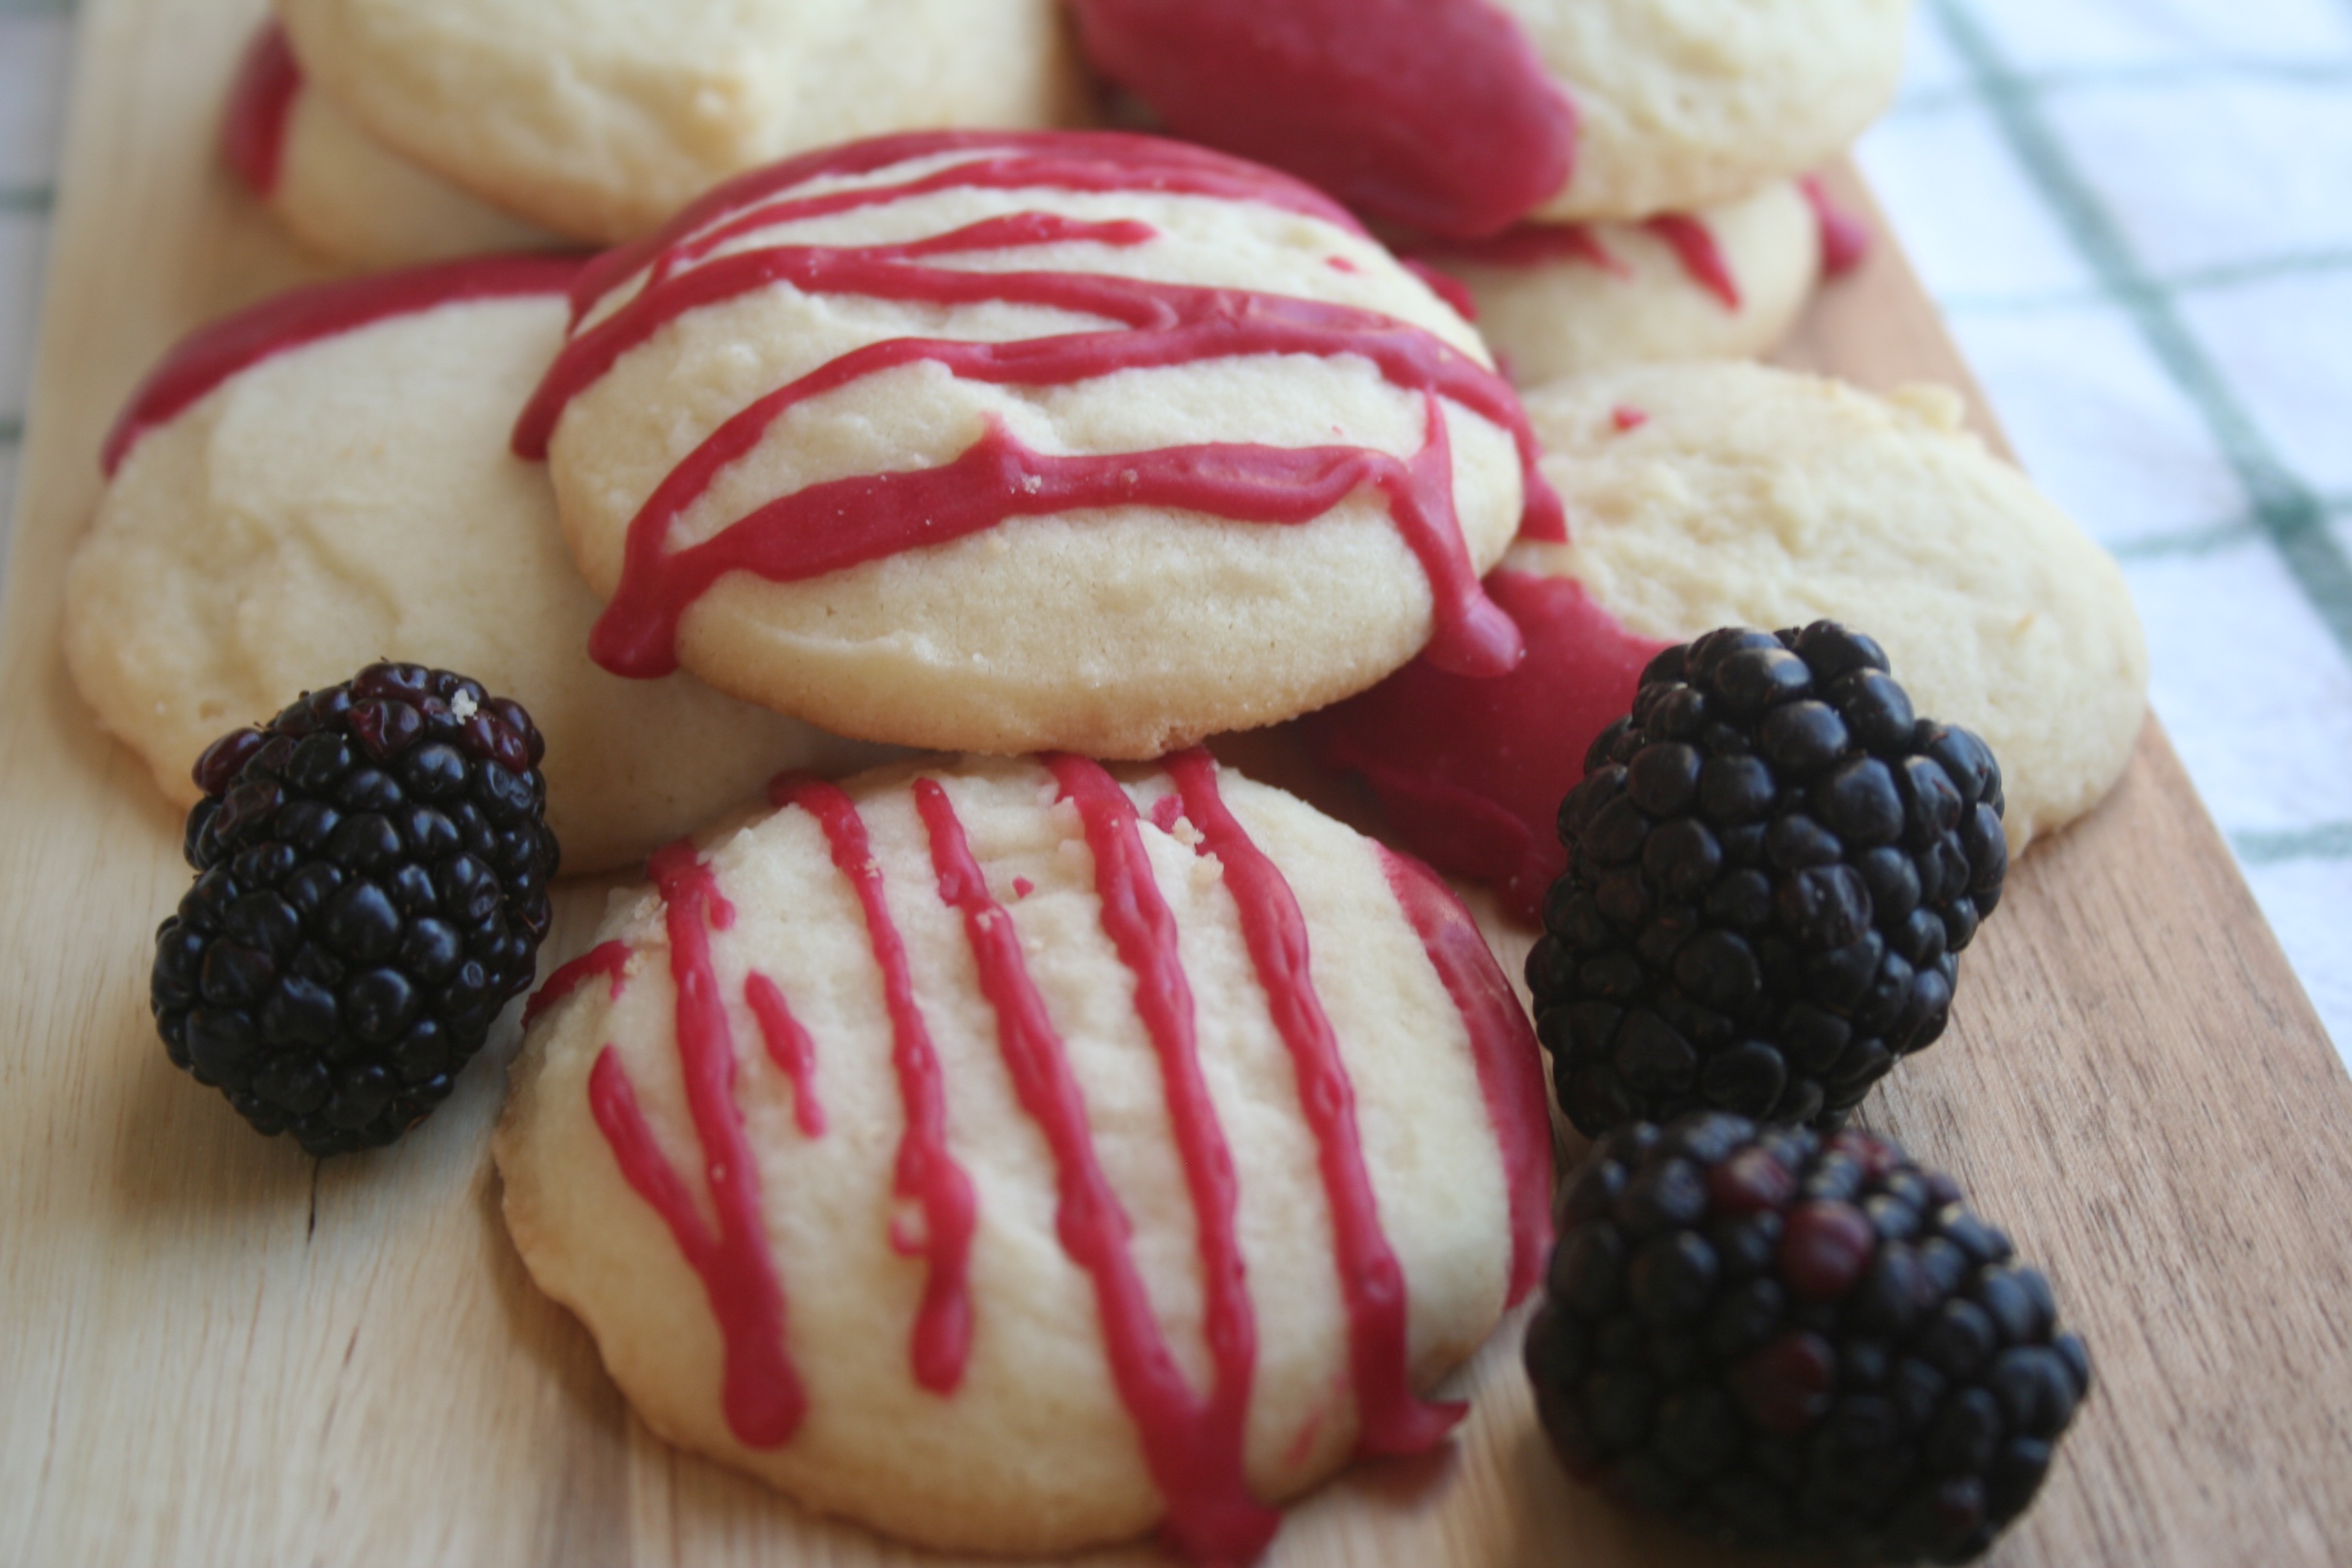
[(1714, 495), (322, 481), (599, 120), (1459, 117), (1558, 299), (1013, 1156), (340, 192), (1089, 441), (1682, 104)]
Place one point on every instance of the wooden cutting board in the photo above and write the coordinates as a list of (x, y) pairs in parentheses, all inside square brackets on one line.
[(219, 1352)]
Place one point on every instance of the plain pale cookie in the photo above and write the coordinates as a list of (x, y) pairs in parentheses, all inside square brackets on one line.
[(1089, 442), (934, 1148), (1712, 495), (1569, 299), (1757, 496), (1682, 104), (339, 191), (322, 481), (600, 118)]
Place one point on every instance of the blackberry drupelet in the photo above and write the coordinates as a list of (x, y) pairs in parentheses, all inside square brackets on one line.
[(1773, 865), (372, 886), (1782, 1338)]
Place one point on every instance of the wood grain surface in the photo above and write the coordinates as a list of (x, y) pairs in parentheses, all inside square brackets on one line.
[(219, 1352)]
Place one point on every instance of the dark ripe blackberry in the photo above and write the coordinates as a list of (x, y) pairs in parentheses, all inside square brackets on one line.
[(1789, 1339), (1773, 865), (373, 869)]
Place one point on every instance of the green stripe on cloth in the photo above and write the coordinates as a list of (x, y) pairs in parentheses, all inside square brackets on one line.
[(12, 431), (27, 198), (2328, 841), (2288, 73), (2207, 538), (2289, 264), (2283, 508), (2204, 541)]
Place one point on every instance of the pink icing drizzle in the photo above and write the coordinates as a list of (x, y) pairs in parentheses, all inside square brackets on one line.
[(1845, 239), (609, 959), (1194, 1444), (1542, 243), (1471, 773), (790, 1048), (1510, 1069), (260, 101), (212, 354), (762, 1394), (926, 1171), (829, 527), (1702, 258), (1433, 113), (1394, 1419), (1625, 416), (1192, 1447)]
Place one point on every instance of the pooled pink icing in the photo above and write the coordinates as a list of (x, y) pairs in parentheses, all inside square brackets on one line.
[(1434, 113), (829, 527), (1472, 773)]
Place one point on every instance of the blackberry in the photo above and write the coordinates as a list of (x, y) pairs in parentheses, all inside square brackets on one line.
[(373, 869), (1773, 865), (1790, 1339)]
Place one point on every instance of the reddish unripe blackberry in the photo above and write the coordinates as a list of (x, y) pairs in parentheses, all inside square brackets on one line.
[(373, 869), (1773, 865), (1783, 1339)]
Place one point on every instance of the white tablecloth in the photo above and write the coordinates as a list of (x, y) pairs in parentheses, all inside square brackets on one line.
[(2137, 217)]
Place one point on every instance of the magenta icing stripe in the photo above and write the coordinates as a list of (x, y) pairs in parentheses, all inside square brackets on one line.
[(1014, 160), (609, 959), (260, 100), (1142, 929), (927, 1173), (1503, 1048), (762, 1395), (212, 354), (1394, 1420), (790, 1048)]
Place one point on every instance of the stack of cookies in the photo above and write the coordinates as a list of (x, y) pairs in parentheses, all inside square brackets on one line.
[(1015, 1152), (388, 132), (1613, 181)]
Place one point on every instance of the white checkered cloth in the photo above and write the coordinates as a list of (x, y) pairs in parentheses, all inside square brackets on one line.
[(2137, 217)]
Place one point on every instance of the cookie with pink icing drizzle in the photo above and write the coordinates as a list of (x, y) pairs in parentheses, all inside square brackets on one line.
[(1725, 282), (1015, 1155), (1001, 442)]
